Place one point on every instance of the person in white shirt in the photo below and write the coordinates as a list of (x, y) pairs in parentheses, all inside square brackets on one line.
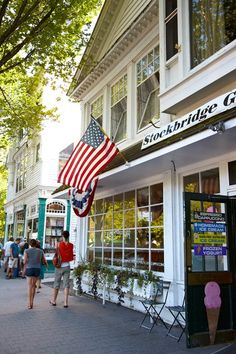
[(7, 252)]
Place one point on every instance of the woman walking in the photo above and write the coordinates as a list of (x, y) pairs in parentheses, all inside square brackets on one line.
[(32, 262)]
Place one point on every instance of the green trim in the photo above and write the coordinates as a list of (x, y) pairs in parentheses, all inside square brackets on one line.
[(25, 231), (68, 216), (42, 213)]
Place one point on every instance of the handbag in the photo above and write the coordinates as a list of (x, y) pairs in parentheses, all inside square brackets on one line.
[(56, 260)]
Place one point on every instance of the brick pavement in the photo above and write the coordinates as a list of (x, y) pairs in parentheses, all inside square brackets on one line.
[(86, 327)]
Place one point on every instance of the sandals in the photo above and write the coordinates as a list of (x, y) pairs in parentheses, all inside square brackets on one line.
[(30, 307), (52, 303), (65, 306)]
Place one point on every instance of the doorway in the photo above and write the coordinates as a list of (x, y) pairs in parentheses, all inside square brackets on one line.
[(210, 255)]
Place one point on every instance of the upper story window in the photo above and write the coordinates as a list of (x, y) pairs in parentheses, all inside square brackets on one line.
[(37, 152), (171, 25), (97, 110), (119, 110), (148, 107), (212, 27), (21, 168), (64, 155), (204, 182)]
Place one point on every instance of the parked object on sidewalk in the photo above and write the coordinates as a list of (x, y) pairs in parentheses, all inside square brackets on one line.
[(178, 313), (154, 307)]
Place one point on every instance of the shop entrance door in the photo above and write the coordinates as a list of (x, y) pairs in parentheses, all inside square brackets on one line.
[(210, 255)]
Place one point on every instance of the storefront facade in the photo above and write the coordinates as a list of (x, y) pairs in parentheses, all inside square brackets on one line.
[(169, 103)]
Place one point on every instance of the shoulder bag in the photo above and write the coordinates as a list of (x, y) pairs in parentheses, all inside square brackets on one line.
[(56, 261)]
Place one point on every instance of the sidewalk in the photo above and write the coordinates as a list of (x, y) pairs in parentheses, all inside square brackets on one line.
[(86, 327)]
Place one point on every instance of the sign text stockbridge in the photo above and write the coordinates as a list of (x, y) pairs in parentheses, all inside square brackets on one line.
[(212, 108)]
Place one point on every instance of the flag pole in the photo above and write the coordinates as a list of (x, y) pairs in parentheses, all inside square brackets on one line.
[(126, 162)]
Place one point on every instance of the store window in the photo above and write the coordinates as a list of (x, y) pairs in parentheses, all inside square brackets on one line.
[(171, 28), (148, 106), (212, 26), (203, 182), (21, 169), (20, 223), (119, 110), (127, 229), (97, 110), (232, 172)]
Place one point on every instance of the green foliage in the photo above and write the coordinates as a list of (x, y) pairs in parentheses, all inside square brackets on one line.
[(37, 38), (3, 186)]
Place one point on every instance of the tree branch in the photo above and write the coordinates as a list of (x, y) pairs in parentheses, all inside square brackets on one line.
[(27, 39), (18, 20), (3, 9), (10, 67)]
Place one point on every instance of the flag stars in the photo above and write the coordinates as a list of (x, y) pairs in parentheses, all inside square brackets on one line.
[(93, 135)]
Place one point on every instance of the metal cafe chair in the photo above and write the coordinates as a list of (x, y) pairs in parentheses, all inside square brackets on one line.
[(178, 313), (153, 307)]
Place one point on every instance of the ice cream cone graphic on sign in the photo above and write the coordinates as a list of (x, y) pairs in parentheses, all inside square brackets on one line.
[(212, 302)]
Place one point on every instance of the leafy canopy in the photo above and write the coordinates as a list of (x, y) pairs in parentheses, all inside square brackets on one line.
[(37, 37)]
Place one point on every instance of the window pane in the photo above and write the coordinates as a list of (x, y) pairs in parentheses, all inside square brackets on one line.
[(157, 215), (142, 197), (118, 202), (157, 261), (98, 255), (99, 222), (98, 238), (212, 27), (210, 181), (129, 200), (99, 206), (171, 37), (129, 238), (91, 238), (129, 218), (90, 255), (108, 220), (117, 238), (171, 5), (142, 238), (157, 238), (232, 172), (143, 217), (191, 183), (117, 257), (107, 239), (143, 259), (118, 120), (118, 220), (129, 258), (156, 193), (107, 256)]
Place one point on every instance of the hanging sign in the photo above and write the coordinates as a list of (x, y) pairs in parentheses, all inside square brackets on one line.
[(218, 105), (206, 227), (207, 216), (209, 238), (210, 250)]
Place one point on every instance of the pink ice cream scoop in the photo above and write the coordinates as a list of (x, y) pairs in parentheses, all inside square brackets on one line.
[(212, 298), (212, 302)]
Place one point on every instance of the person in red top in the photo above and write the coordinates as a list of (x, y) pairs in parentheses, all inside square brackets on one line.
[(63, 273)]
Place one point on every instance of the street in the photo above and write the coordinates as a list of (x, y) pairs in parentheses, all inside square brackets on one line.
[(85, 327)]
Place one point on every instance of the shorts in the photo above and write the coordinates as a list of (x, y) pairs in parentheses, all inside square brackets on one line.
[(13, 263), (64, 274), (32, 272)]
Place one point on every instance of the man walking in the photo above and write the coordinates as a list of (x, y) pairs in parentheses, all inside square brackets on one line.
[(65, 249), (14, 257), (7, 253)]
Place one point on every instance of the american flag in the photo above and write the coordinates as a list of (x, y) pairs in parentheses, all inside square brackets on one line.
[(90, 157)]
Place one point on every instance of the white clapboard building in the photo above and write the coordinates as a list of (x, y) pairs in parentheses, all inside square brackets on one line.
[(159, 76)]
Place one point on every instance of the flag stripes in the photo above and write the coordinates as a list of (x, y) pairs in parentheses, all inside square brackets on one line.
[(91, 155)]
